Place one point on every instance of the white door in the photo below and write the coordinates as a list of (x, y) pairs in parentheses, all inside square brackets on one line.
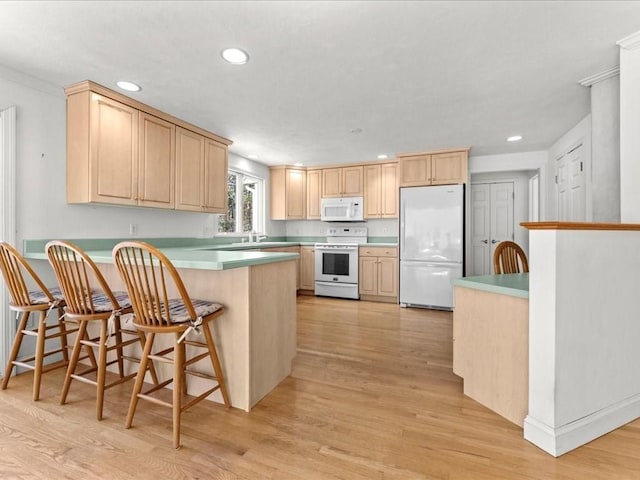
[(570, 186), (491, 222)]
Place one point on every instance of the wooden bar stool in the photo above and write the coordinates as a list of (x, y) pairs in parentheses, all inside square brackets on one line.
[(149, 276), (88, 300), (17, 273), (509, 257)]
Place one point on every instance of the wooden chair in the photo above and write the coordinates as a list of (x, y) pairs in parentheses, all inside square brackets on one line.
[(150, 277), (17, 275), (88, 300), (509, 258)]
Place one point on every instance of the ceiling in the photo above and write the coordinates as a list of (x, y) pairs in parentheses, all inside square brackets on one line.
[(336, 82)]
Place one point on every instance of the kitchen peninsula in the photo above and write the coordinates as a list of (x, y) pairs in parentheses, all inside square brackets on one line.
[(569, 337), (256, 336)]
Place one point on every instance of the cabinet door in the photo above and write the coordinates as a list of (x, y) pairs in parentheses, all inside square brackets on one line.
[(389, 190), (415, 170), (372, 191), (156, 184), (295, 191), (189, 165), (368, 276), (387, 277), (307, 268), (114, 152), (352, 181), (215, 177), (332, 182), (449, 168), (314, 180)]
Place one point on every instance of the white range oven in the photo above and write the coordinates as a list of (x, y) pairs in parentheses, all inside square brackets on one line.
[(337, 262)]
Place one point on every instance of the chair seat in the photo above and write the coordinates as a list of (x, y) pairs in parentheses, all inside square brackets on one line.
[(179, 314), (37, 297), (102, 303)]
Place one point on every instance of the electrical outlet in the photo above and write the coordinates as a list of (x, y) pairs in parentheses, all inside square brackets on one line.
[(133, 229)]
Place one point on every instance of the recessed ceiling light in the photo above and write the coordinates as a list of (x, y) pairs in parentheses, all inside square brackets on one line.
[(253, 156), (128, 86), (382, 156), (514, 138), (235, 56)]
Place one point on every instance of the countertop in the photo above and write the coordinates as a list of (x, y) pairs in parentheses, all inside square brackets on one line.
[(192, 253), (513, 284)]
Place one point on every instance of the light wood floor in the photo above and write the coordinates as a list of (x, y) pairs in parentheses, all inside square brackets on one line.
[(372, 396)]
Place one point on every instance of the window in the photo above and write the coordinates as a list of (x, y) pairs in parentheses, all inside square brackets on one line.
[(245, 204)]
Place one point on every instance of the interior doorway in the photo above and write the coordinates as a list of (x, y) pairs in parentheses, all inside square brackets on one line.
[(7, 219), (570, 185), (492, 221)]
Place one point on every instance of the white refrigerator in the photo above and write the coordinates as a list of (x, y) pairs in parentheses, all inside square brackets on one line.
[(431, 244)]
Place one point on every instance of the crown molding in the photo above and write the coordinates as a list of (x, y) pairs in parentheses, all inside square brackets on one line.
[(598, 77), (631, 42)]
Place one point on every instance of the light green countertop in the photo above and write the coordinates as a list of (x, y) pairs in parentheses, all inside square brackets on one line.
[(198, 258), (513, 284), (208, 254)]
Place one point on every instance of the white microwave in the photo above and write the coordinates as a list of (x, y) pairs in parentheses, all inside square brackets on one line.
[(345, 209)]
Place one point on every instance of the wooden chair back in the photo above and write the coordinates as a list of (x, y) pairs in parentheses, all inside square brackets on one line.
[(509, 258), (16, 271), (148, 275), (78, 278)]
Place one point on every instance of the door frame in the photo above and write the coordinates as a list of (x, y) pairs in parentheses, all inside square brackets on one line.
[(513, 182), (7, 217), (500, 168)]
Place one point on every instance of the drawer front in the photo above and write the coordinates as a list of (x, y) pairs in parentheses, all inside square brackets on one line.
[(378, 252)]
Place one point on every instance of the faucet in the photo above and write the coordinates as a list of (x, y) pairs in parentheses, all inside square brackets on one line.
[(260, 237), (251, 236)]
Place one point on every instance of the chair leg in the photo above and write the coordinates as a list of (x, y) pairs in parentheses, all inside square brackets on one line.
[(102, 369), (73, 362), (217, 368), (64, 344), (119, 349), (178, 379), (39, 355), (152, 368), (15, 349), (139, 379)]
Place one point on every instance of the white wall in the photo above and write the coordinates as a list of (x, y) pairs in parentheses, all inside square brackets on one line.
[(584, 336), (605, 150), (41, 208), (581, 133), (629, 129), (386, 227)]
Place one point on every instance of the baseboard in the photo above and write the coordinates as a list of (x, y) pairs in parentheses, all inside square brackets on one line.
[(563, 439)]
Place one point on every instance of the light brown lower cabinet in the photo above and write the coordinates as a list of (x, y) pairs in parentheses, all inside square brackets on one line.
[(378, 274), (307, 269)]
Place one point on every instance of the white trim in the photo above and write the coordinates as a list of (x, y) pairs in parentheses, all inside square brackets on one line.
[(631, 42), (560, 440), (7, 216), (599, 77)]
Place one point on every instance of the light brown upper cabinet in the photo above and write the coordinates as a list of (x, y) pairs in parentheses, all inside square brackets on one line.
[(123, 152), (343, 182), (381, 190), (157, 162), (314, 181), (202, 173), (288, 193), (102, 150), (434, 168)]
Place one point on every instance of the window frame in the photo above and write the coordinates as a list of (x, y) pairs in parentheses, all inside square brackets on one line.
[(259, 217)]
